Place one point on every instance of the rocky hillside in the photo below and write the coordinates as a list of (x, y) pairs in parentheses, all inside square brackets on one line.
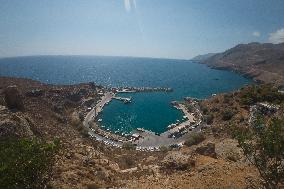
[(262, 62), (46, 112)]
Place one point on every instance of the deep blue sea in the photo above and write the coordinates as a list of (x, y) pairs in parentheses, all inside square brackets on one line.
[(151, 111)]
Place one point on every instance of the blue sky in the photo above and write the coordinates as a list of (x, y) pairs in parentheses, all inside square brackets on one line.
[(147, 28)]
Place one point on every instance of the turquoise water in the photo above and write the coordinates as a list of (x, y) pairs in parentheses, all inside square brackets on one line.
[(149, 110)]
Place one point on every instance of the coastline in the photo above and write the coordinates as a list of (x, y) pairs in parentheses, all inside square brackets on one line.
[(247, 75), (262, 62), (144, 140)]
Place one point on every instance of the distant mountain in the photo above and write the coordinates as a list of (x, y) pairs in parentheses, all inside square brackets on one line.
[(203, 57), (262, 62)]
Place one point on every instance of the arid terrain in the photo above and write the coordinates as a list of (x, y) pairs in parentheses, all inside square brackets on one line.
[(47, 113), (262, 62)]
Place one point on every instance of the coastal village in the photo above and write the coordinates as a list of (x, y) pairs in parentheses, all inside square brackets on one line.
[(142, 94), (91, 155), (142, 139)]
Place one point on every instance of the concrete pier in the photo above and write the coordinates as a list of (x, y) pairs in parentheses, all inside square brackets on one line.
[(124, 99)]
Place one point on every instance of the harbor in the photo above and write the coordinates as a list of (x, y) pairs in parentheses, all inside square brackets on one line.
[(142, 139)]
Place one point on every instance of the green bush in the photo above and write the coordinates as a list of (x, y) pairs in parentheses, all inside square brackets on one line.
[(204, 109), (208, 119), (164, 149), (194, 138), (25, 163), (84, 132), (227, 115), (263, 146), (77, 124), (260, 93), (227, 98)]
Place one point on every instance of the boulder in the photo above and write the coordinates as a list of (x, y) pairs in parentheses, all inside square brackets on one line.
[(207, 150), (13, 98), (14, 125), (177, 161), (114, 167)]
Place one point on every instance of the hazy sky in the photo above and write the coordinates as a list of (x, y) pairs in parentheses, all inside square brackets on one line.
[(151, 28)]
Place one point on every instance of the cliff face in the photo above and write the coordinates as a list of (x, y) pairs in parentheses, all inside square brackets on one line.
[(262, 62)]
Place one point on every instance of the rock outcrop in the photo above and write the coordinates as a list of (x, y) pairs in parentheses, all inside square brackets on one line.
[(13, 98), (14, 124), (177, 161), (207, 150)]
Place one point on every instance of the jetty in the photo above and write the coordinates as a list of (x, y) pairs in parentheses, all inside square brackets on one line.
[(123, 99), (141, 89)]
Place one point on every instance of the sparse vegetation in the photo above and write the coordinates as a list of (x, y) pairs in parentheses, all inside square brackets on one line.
[(93, 186), (194, 138), (227, 115), (204, 109), (208, 118), (259, 93), (77, 124), (263, 145), (227, 98), (232, 155), (164, 149), (26, 163)]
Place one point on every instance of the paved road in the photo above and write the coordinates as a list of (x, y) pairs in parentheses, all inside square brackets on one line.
[(93, 114), (99, 107)]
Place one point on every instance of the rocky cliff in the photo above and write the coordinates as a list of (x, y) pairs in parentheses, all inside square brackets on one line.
[(262, 62)]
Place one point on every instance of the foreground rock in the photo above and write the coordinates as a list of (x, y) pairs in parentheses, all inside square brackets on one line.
[(14, 124), (13, 98), (177, 161), (207, 150)]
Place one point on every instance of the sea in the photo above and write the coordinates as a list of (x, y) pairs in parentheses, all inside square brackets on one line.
[(148, 110)]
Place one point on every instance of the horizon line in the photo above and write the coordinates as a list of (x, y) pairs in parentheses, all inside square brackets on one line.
[(94, 55)]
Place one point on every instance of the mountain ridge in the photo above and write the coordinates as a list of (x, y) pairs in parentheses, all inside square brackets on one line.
[(263, 62)]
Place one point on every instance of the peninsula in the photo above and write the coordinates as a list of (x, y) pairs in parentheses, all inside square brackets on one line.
[(262, 62)]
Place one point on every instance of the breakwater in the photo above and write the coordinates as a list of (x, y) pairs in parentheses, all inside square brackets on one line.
[(141, 89)]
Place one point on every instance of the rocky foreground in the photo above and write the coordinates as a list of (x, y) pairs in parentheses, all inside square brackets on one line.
[(30, 109), (262, 62)]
